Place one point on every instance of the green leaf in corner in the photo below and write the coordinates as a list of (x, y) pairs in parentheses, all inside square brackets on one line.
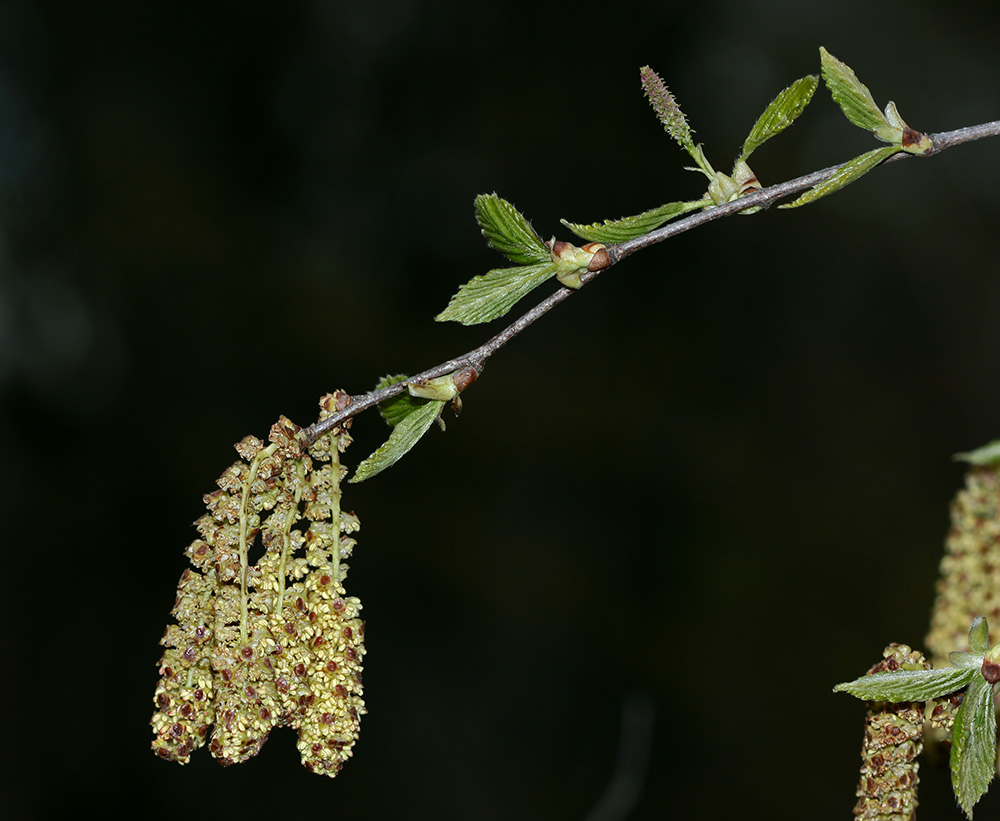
[(909, 685), (849, 172), (394, 410), (974, 743), (491, 295), (851, 94), (979, 635), (959, 659), (404, 436), (626, 228), (780, 114), (506, 230), (987, 455)]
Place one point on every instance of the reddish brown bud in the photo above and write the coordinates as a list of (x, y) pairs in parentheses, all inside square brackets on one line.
[(912, 137), (559, 248), (465, 377), (991, 671), (601, 259)]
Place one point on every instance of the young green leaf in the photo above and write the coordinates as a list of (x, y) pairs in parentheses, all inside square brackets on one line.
[(780, 114), (630, 227), (986, 456), (491, 295), (394, 410), (893, 116), (974, 743), (979, 635), (849, 172), (850, 93), (404, 436), (909, 685), (971, 660), (506, 230)]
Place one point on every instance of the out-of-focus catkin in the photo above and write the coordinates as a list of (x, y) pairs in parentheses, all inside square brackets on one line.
[(969, 582), (887, 790), (275, 643)]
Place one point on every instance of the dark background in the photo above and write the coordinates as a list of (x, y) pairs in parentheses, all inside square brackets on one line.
[(716, 482)]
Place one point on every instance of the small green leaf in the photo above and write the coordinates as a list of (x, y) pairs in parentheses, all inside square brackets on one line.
[(986, 456), (889, 134), (404, 436), (969, 660), (630, 227), (893, 117), (849, 172), (908, 685), (850, 93), (506, 230), (491, 295), (974, 745), (979, 635), (395, 409), (781, 113), (389, 380)]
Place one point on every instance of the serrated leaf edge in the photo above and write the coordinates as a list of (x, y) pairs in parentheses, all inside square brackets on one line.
[(908, 685), (850, 171), (508, 231), (775, 118), (487, 297), (853, 96), (619, 230), (973, 750), (406, 433)]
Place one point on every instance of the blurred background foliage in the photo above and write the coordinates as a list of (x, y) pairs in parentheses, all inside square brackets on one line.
[(732, 452)]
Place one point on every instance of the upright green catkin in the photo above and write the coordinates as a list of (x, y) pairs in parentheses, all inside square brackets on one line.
[(277, 643), (969, 581), (887, 790), (668, 112)]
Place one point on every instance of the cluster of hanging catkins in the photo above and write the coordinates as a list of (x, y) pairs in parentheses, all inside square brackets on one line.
[(277, 643), (969, 579)]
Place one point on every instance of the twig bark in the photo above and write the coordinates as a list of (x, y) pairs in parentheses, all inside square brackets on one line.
[(765, 197)]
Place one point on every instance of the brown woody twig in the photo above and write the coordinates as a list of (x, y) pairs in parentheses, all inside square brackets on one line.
[(476, 359)]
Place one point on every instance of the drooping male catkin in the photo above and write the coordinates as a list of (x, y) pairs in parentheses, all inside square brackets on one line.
[(969, 581), (887, 790), (276, 643)]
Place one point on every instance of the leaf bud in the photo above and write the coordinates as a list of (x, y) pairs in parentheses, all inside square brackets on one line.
[(601, 258), (571, 261), (441, 388), (916, 142)]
